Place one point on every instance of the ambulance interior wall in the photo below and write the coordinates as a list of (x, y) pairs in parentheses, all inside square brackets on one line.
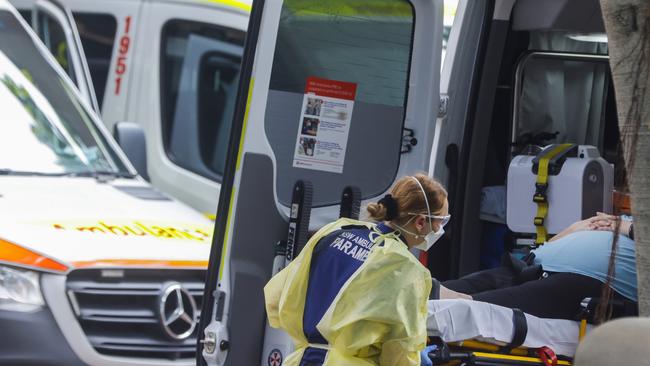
[(478, 166), (499, 151)]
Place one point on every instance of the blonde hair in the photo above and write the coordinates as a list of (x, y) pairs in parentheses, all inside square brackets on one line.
[(408, 198)]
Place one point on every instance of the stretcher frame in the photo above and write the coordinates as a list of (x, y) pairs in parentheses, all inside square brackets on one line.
[(475, 353)]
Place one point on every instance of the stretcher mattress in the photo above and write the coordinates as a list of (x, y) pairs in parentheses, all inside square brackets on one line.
[(460, 320)]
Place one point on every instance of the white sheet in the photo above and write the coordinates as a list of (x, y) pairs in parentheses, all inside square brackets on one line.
[(459, 320)]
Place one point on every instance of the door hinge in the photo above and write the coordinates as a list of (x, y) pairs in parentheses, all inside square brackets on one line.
[(408, 140), (209, 342), (443, 105)]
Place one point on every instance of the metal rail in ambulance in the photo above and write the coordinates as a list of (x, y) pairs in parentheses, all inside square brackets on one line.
[(336, 94), (172, 68), (96, 266)]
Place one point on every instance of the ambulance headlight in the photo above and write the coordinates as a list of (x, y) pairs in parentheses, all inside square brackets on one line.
[(20, 290)]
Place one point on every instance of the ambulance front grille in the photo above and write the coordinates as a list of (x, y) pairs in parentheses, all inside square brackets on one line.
[(118, 310)]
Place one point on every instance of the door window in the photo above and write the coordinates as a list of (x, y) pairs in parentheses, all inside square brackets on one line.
[(562, 90), (199, 79), (54, 25), (562, 101), (359, 52), (97, 33), (53, 36)]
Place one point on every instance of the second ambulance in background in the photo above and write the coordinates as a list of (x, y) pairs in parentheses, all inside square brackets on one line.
[(160, 64)]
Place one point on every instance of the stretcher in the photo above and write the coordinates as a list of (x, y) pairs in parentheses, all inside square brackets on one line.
[(476, 333)]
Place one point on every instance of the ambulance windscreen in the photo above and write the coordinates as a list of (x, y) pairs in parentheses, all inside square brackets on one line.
[(46, 129)]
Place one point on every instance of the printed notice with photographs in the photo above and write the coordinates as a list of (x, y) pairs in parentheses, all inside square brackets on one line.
[(324, 125)]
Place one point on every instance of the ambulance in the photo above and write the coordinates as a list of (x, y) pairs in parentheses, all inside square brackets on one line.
[(338, 99), (96, 266), (171, 67)]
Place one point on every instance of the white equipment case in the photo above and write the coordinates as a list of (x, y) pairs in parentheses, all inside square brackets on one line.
[(580, 183)]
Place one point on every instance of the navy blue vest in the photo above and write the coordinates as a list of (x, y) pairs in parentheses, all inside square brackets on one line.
[(335, 259)]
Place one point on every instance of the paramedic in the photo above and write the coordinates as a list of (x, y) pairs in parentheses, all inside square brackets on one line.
[(571, 266), (356, 295)]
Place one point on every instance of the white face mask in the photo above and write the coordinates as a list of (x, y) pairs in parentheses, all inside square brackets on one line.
[(430, 239), (433, 236)]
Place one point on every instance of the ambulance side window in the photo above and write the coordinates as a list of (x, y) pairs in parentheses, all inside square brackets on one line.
[(97, 32), (563, 85), (565, 99), (54, 38), (199, 79)]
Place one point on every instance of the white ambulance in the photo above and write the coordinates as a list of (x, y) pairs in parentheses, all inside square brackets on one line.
[(96, 266), (349, 93), (169, 66)]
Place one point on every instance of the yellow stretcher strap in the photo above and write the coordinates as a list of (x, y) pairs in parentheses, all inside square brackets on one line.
[(541, 186), (583, 329)]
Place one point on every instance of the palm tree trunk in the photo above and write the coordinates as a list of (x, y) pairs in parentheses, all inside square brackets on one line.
[(628, 30)]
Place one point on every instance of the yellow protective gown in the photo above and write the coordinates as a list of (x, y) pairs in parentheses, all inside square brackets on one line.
[(377, 318)]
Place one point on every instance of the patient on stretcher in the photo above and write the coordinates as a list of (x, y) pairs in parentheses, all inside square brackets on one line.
[(570, 267), (462, 320)]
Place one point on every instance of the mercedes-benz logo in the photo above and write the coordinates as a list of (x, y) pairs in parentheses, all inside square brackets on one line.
[(177, 311)]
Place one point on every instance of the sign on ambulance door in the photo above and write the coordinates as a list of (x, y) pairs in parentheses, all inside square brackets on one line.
[(55, 26), (328, 91)]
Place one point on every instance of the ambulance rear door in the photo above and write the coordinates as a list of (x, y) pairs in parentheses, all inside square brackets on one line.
[(336, 93), (55, 26)]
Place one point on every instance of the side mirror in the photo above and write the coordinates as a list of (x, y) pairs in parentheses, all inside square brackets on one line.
[(131, 139)]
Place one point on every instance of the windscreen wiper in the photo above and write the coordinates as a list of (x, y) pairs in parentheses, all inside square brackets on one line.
[(102, 174), (29, 173), (93, 173)]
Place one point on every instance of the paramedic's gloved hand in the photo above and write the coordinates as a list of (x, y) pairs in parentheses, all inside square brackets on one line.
[(424, 355)]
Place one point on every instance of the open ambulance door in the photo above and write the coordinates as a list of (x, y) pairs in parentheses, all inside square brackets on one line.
[(55, 26), (335, 93)]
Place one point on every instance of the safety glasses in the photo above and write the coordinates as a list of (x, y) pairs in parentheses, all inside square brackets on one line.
[(443, 219)]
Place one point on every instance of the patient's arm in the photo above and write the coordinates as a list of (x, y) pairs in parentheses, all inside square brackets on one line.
[(446, 293), (608, 223), (593, 223)]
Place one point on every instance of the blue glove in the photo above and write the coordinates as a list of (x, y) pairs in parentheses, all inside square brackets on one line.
[(424, 355)]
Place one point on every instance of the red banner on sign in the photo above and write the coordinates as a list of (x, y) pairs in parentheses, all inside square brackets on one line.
[(331, 88)]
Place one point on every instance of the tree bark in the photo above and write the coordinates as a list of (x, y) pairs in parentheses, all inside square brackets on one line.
[(628, 30), (619, 342)]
